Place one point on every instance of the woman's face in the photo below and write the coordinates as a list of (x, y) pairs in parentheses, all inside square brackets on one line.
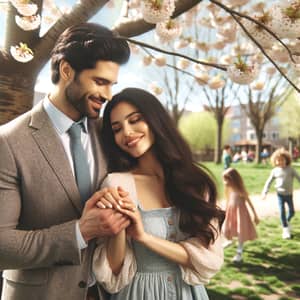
[(132, 133)]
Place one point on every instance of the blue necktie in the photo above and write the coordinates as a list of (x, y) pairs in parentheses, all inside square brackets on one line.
[(81, 167)]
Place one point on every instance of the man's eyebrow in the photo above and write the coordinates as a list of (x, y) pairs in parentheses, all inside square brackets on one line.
[(128, 116), (104, 79)]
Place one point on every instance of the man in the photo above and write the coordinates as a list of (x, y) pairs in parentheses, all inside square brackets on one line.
[(46, 227)]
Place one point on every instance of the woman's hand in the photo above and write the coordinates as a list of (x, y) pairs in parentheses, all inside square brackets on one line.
[(122, 203), (136, 228)]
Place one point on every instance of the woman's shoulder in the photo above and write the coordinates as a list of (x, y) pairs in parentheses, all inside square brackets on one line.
[(116, 178), (118, 174), (124, 180)]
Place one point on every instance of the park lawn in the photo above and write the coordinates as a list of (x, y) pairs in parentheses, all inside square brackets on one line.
[(270, 267), (254, 176)]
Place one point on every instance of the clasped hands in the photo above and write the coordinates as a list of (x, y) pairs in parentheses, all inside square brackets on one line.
[(108, 212), (117, 199)]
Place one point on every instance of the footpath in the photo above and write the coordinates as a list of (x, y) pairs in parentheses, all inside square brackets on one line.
[(269, 206)]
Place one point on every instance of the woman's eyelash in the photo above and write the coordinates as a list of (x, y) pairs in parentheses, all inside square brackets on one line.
[(136, 119), (115, 130), (133, 120)]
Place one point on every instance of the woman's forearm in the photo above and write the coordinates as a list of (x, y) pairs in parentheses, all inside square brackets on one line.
[(116, 251), (170, 250)]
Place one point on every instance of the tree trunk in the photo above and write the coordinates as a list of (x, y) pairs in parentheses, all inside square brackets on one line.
[(175, 115), (258, 150), (16, 96), (218, 147)]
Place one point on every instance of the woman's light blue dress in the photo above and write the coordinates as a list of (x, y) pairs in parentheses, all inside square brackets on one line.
[(158, 278)]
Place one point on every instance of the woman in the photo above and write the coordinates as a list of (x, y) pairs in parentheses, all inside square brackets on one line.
[(172, 246)]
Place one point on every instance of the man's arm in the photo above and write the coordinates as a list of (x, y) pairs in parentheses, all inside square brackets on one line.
[(44, 247)]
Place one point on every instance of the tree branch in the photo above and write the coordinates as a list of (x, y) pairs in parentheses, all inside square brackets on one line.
[(138, 27), (233, 14), (217, 66), (173, 66), (231, 11)]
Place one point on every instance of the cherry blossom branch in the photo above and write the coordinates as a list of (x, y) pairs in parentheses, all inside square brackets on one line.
[(174, 67), (142, 44), (168, 65), (233, 14)]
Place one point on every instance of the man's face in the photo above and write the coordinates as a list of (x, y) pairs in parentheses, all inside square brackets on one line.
[(88, 90)]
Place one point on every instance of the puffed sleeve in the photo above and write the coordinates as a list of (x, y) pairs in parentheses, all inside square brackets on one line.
[(103, 273), (206, 262), (101, 268)]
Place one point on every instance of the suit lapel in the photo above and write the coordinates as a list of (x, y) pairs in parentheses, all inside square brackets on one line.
[(51, 147)]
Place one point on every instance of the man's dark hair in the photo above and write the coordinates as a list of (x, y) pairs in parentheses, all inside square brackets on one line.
[(84, 44)]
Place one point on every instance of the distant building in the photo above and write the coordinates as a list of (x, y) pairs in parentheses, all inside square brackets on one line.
[(243, 132)]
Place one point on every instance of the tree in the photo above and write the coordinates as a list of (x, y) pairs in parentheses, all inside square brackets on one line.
[(199, 129), (204, 138), (289, 118), (176, 86), (177, 99), (219, 102), (262, 106)]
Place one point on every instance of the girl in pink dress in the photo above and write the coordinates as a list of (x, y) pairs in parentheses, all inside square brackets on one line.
[(238, 222)]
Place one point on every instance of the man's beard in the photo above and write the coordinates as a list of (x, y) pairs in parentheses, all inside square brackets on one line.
[(79, 104)]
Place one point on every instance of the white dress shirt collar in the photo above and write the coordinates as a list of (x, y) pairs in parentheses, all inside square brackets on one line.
[(61, 121)]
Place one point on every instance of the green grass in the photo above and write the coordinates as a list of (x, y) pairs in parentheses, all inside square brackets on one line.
[(254, 175), (270, 267)]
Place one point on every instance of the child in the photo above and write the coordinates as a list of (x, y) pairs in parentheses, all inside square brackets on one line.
[(283, 174), (238, 222), (227, 156)]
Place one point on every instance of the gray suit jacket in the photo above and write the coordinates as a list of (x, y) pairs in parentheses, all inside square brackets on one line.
[(39, 205)]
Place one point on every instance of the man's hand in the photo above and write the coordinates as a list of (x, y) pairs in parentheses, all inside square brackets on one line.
[(96, 222)]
